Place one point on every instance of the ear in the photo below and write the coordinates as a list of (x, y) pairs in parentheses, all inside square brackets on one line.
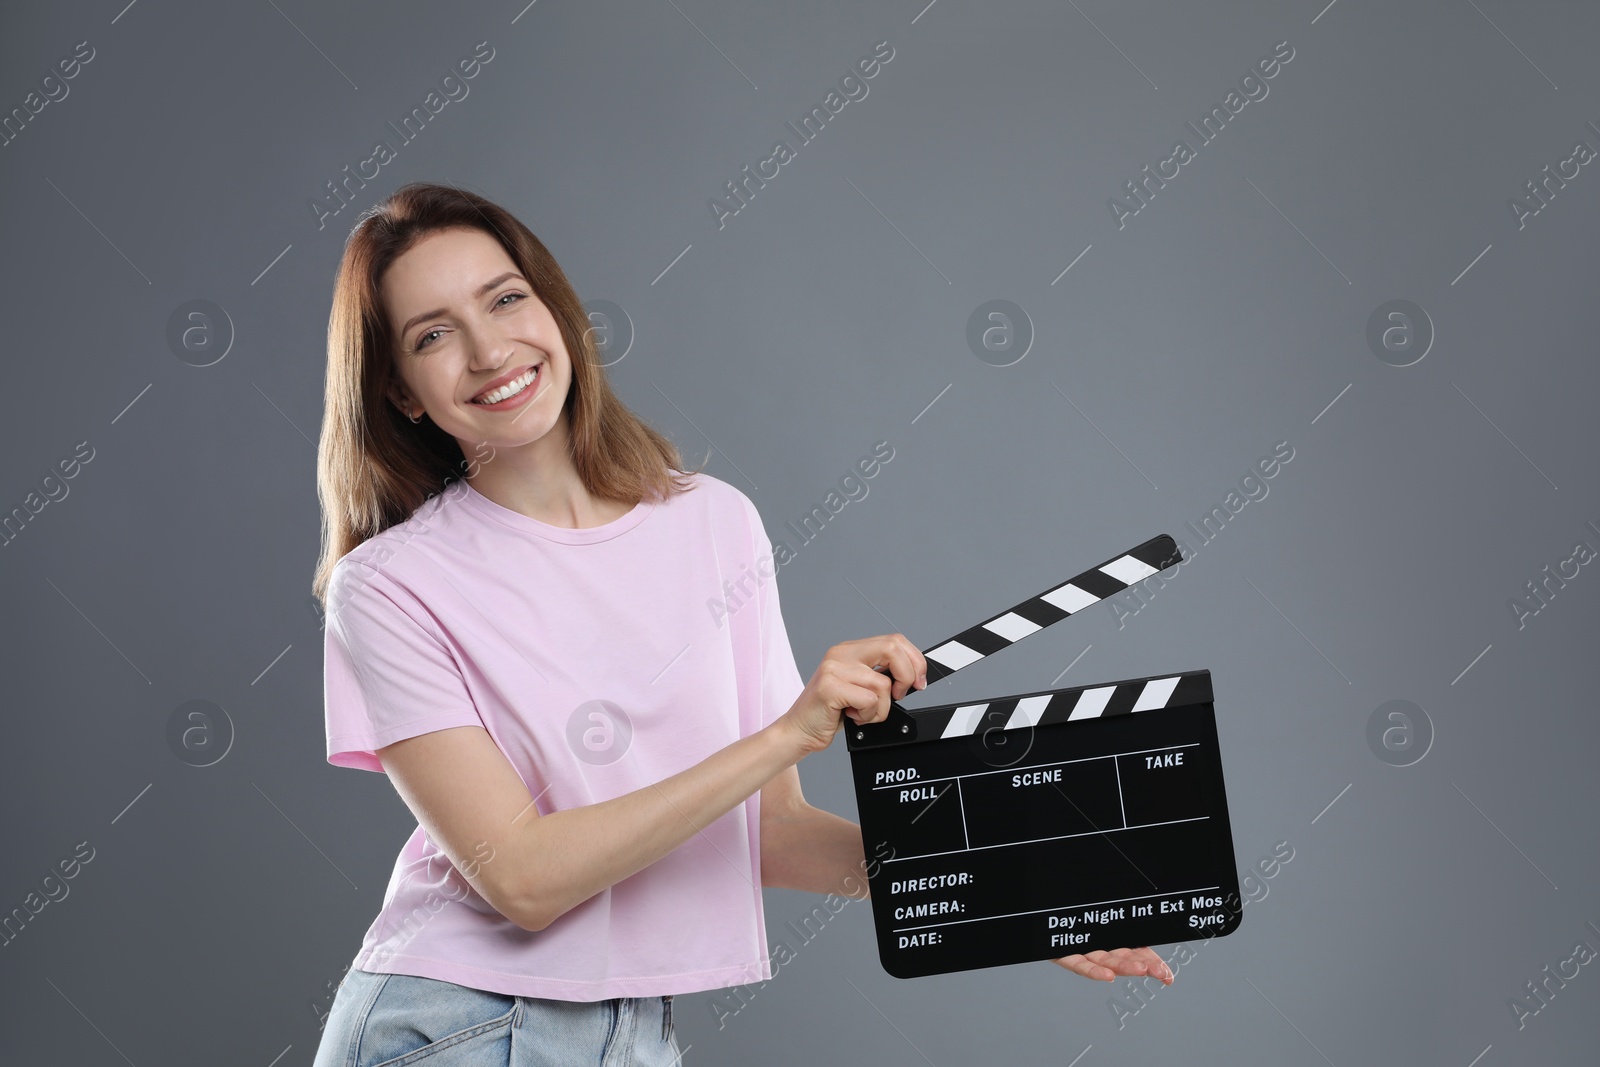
[(399, 398)]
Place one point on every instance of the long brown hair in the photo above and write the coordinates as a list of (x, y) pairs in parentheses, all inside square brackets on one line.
[(374, 466)]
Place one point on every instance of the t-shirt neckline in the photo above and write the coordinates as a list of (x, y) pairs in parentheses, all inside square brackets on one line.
[(589, 535)]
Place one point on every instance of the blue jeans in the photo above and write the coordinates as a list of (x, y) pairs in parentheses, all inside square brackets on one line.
[(395, 1020)]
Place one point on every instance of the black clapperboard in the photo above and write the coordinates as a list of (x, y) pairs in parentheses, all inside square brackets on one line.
[(1035, 826)]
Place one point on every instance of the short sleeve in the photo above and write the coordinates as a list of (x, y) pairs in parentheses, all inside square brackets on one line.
[(387, 674), (781, 681)]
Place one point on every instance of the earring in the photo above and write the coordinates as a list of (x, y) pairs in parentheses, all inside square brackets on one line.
[(413, 418)]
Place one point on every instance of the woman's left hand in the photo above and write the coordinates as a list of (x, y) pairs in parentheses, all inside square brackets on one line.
[(1106, 966)]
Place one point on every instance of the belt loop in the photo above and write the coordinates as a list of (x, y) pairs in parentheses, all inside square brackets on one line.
[(666, 1017)]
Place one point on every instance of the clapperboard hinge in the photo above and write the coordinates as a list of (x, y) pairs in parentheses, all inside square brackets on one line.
[(1043, 707)]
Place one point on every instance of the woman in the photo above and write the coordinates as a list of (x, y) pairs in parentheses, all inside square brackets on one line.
[(566, 652)]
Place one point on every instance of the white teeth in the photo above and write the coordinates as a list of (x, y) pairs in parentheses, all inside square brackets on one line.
[(510, 389)]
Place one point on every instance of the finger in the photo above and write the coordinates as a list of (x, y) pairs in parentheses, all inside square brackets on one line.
[(900, 656), (918, 661), (1081, 965), (1116, 961), (880, 686), (1134, 962), (864, 695), (1157, 966)]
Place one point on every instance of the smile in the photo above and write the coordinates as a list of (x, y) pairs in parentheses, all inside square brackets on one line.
[(509, 391)]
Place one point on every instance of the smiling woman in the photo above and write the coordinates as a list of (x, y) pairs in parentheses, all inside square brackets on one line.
[(520, 646), (409, 356), (454, 333), (447, 355)]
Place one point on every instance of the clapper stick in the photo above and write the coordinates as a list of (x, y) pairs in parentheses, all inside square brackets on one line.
[(1012, 625), (1032, 826)]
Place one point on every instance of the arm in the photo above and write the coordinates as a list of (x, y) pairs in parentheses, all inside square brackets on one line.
[(806, 848), (534, 868), (465, 794)]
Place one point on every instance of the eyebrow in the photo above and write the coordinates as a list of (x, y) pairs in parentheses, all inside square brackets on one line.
[(482, 290)]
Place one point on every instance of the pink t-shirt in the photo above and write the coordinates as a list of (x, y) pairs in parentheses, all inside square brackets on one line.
[(600, 661)]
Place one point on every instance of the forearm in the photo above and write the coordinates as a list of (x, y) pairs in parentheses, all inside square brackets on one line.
[(571, 855), (813, 850)]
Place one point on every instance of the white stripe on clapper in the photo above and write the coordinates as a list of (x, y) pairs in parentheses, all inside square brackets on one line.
[(1069, 598), (964, 720), (1156, 693), (1128, 570), (955, 655), (1011, 626), (1028, 711), (1091, 702)]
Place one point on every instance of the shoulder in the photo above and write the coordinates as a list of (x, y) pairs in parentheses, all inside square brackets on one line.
[(380, 564), (727, 508), (720, 496), (357, 582)]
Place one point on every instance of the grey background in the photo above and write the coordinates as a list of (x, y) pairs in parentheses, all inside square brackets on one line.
[(1230, 314)]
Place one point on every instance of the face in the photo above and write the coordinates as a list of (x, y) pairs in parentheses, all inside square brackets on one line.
[(469, 328)]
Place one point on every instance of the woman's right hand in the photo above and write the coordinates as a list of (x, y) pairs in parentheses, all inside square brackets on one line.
[(845, 684)]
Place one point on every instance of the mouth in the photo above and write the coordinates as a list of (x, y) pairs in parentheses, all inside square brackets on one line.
[(510, 394)]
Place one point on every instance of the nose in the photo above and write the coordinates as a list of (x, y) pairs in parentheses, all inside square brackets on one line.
[(490, 350)]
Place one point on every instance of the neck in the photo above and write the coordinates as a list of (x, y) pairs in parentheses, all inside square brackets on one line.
[(540, 481)]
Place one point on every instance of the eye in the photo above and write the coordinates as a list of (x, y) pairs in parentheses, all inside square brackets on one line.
[(422, 342)]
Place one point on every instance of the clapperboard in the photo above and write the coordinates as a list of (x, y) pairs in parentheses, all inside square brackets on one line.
[(1039, 825)]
